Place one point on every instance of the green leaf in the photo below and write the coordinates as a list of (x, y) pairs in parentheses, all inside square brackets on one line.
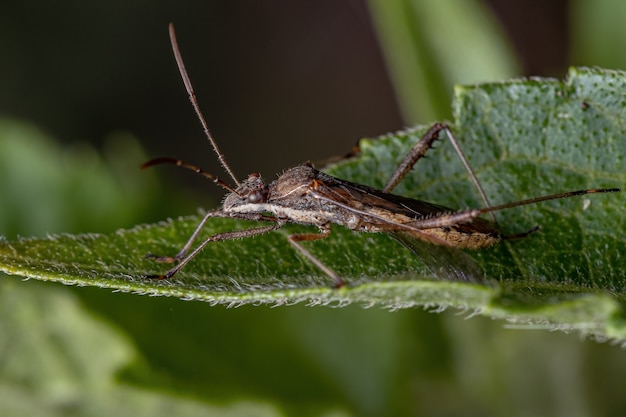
[(596, 31), (61, 360), (38, 179), (524, 138), (431, 45)]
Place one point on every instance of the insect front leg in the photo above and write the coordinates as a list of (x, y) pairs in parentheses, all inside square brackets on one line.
[(237, 234), (307, 237), (216, 213), (181, 255)]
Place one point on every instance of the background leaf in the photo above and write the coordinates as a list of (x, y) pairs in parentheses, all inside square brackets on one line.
[(52, 371), (425, 41)]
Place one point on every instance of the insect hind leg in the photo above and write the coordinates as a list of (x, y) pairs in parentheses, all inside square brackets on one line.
[(521, 235), (418, 151)]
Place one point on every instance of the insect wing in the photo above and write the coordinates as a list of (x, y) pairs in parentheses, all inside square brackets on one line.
[(388, 212), (358, 196), (445, 262)]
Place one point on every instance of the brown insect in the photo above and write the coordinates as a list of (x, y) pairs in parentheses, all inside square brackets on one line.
[(304, 195)]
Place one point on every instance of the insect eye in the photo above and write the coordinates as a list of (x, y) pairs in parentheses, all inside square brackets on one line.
[(256, 196)]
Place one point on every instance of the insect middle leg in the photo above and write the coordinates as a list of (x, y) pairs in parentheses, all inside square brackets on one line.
[(307, 237)]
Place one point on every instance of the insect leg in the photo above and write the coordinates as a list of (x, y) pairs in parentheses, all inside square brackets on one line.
[(521, 235), (216, 213), (468, 215), (419, 150), (416, 153), (470, 171), (307, 237), (180, 255), (237, 234)]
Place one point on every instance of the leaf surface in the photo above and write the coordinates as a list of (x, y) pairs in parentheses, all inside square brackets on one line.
[(524, 138)]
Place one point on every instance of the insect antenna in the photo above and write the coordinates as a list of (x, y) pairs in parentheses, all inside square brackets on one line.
[(196, 106), (178, 162)]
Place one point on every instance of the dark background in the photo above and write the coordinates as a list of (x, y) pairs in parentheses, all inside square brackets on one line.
[(279, 82)]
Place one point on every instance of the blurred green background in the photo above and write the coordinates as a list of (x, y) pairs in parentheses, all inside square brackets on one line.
[(90, 90)]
